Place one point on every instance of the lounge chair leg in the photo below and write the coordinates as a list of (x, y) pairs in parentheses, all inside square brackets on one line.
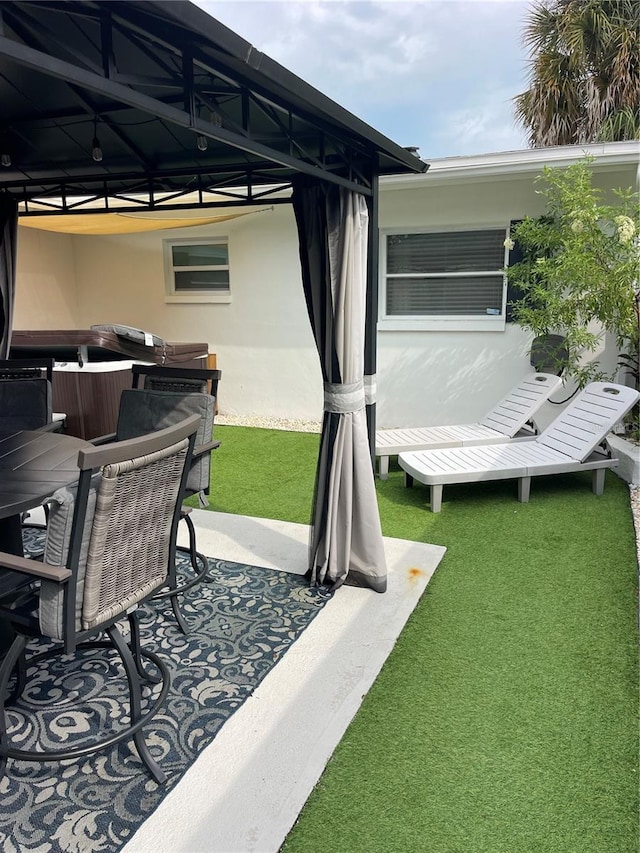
[(384, 467), (436, 498), (408, 480), (524, 488), (597, 481)]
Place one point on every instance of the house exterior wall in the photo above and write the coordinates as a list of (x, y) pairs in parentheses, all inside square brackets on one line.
[(452, 376), (427, 378), (262, 339), (46, 288)]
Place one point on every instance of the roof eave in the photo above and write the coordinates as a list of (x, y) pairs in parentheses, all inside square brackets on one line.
[(522, 162)]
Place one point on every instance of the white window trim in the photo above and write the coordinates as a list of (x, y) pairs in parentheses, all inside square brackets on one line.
[(192, 296), (440, 323)]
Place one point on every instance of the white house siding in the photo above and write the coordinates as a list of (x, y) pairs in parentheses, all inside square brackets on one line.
[(262, 339)]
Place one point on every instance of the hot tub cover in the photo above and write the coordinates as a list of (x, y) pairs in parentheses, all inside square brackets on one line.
[(103, 343)]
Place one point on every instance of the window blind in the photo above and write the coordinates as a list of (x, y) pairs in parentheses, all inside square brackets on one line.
[(459, 295), (445, 273)]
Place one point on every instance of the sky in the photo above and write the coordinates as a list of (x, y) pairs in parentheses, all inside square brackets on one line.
[(437, 74)]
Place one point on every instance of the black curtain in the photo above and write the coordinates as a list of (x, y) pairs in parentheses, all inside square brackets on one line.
[(8, 250)]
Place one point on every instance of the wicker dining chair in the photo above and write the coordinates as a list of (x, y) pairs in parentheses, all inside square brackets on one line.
[(186, 381), (168, 395), (109, 547)]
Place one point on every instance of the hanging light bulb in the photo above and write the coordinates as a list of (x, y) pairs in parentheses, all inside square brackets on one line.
[(5, 159), (202, 142), (96, 150)]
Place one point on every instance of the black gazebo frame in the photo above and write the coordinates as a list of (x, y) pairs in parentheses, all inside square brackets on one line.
[(178, 103), (155, 104)]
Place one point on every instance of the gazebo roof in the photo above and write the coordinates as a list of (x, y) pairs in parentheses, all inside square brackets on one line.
[(109, 103)]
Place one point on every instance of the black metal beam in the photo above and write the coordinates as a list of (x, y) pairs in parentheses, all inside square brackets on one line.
[(32, 37), (371, 311), (39, 61), (127, 208)]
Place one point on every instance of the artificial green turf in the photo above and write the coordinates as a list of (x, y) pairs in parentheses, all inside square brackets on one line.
[(505, 719), (265, 473)]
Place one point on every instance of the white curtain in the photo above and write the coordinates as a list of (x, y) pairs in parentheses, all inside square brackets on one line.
[(346, 540)]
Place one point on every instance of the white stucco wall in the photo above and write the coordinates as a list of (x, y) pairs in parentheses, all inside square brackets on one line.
[(46, 291), (262, 339), (435, 377)]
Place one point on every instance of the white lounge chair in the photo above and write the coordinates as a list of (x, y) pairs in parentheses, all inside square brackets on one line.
[(570, 443), (504, 421)]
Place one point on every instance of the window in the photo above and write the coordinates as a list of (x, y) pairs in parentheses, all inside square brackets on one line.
[(444, 279), (197, 270)]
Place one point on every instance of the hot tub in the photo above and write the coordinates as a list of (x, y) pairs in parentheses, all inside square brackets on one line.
[(93, 366)]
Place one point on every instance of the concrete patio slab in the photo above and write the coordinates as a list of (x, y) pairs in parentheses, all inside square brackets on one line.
[(247, 788)]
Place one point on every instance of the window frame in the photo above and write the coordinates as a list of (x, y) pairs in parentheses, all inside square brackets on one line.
[(441, 322), (202, 296)]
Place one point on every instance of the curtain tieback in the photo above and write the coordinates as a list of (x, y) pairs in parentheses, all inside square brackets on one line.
[(370, 389), (344, 398)]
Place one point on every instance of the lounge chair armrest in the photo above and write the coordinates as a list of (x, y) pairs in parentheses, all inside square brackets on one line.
[(45, 571), (103, 439), (207, 447)]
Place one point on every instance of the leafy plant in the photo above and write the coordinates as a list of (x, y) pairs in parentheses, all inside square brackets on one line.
[(630, 362), (579, 275)]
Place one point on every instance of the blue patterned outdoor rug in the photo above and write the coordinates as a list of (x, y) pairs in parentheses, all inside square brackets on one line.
[(241, 621)]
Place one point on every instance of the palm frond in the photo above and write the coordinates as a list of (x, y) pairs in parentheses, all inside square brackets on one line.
[(584, 72)]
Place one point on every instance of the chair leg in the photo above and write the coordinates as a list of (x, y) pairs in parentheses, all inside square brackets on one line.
[(436, 498), (137, 718), (199, 562), (135, 706), (597, 481), (175, 606), (200, 566), (14, 654), (136, 649), (384, 467), (524, 488), (20, 671)]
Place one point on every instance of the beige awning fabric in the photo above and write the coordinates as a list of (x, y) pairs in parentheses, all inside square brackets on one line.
[(122, 223)]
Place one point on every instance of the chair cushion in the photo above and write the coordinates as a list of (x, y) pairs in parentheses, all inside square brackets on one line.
[(61, 508), (143, 411), (24, 404)]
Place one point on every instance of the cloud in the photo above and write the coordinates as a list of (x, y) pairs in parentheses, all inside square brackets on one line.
[(483, 126), (435, 73)]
